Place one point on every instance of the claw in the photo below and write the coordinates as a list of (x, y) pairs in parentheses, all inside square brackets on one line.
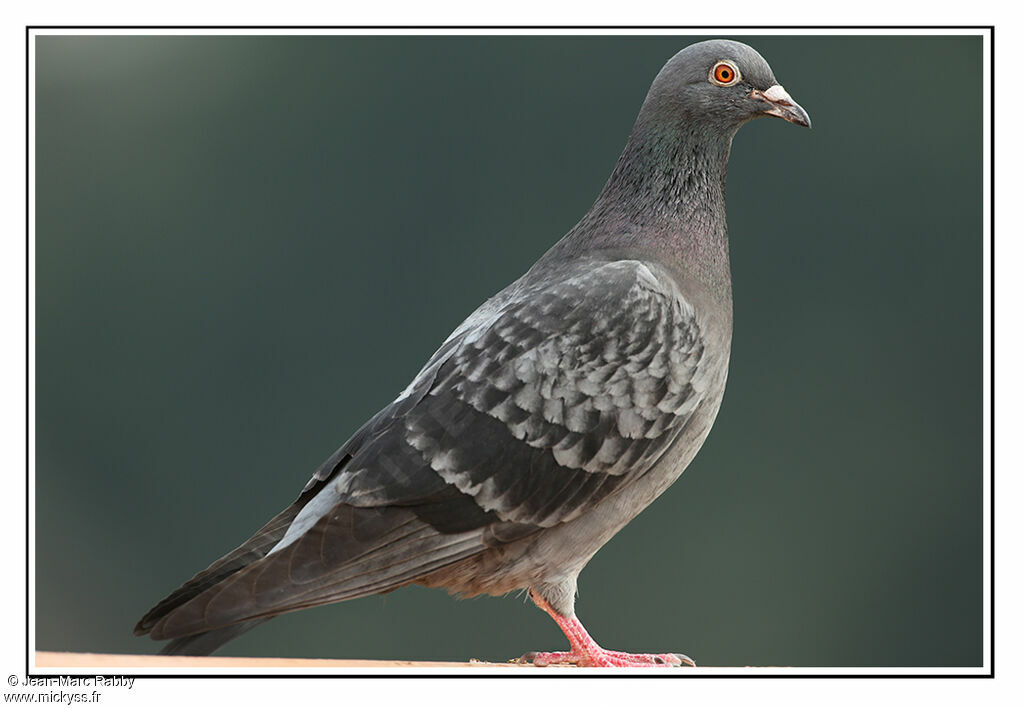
[(586, 652)]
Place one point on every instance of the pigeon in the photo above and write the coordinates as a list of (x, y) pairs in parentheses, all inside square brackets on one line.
[(552, 416)]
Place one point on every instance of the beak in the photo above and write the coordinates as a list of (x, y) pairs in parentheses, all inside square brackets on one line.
[(781, 105)]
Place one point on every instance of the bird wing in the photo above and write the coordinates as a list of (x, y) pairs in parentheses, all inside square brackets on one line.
[(550, 397), (565, 393)]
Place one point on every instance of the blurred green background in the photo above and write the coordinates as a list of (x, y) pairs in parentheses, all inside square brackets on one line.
[(246, 246)]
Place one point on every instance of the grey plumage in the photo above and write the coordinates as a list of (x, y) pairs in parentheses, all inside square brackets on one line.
[(552, 416)]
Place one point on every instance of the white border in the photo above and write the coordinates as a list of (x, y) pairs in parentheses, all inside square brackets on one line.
[(986, 358), (31, 346), (662, 31), (513, 31)]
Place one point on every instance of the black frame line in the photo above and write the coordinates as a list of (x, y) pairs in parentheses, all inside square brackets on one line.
[(477, 673)]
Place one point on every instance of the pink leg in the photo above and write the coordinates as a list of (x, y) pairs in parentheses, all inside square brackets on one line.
[(586, 652)]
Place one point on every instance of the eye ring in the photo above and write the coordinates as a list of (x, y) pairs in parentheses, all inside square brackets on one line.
[(724, 73)]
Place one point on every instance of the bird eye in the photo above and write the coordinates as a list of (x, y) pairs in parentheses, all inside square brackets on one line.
[(724, 73)]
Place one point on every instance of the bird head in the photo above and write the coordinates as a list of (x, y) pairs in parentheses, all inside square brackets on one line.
[(721, 83)]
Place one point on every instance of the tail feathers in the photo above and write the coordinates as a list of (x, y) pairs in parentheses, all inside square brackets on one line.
[(248, 553), (206, 643), (351, 552)]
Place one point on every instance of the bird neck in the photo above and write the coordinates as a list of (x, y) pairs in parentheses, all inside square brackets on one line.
[(665, 198)]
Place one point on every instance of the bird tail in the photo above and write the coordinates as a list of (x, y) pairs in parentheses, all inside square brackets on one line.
[(248, 553), (348, 553)]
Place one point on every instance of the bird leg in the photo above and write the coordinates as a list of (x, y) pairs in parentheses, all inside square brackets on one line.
[(586, 652)]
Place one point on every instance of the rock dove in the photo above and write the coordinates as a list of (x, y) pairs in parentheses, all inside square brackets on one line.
[(552, 416)]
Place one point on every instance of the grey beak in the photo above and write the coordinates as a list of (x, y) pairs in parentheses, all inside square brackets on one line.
[(781, 105)]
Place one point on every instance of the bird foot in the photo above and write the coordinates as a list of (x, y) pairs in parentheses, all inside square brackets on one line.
[(603, 657)]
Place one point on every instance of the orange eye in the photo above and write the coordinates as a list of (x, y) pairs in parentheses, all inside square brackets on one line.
[(725, 73)]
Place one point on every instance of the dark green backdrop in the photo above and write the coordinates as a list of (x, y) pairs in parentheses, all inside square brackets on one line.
[(247, 246)]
